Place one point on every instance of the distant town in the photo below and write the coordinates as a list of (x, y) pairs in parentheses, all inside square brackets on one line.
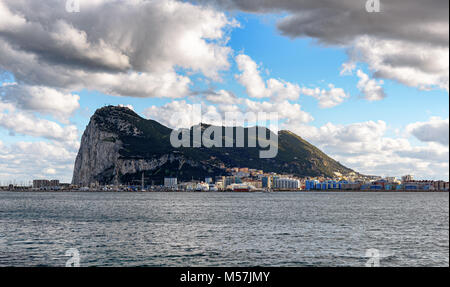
[(249, 180)]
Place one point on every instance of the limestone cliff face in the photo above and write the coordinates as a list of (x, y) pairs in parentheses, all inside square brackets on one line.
[(99, 151), (98, 159), (103, 158)]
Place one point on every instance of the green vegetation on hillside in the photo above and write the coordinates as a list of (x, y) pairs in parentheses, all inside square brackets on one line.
[(295, 155)]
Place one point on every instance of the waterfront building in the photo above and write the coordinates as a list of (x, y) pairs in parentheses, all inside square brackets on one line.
[(331, 184), (229, 180), (54, 182), (365, 186), (46, 184), (240, 187), (407, 178), (411, 186), (351, 186), (441, 185), (391, 179), (266, 182), (379, 184), (286, 183), (187, 186), (376, 187), (311, 184), (39, 183), (254, 183), (389, 187), (219, 185), (202, 187), (170, 182), (423, 185)]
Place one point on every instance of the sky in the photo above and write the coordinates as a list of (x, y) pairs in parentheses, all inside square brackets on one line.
[(368, 88)]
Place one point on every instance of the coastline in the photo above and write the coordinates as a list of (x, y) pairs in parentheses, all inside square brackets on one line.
[(282, 191)]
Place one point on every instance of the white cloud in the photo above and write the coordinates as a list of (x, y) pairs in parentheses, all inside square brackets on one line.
[(181, 114), (370, 88), (420, 65), (357, 138), (281, 91), (347, 68), (327, 98), (43, 100), (435, 130), (28, 124), (124, 48), (292, 114), (407, 42), (431, 152), (23, 161), (185, 115), (6, 107), (366, 148), (223, 97), (50, 171), (250, 78)]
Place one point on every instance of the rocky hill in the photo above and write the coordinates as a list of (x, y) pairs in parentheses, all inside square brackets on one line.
[(118, 146)]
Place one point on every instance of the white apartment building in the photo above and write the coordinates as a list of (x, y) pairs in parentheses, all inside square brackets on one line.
[(286, 183), (170, 182)]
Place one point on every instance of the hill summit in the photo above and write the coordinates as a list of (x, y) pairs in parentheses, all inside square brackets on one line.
[(118, 146)]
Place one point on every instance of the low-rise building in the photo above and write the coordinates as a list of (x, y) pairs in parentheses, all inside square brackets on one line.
[(46, 184), (441, 185), (39, 183), (407, 178), (170, 182), (266, 182), (254, 183)]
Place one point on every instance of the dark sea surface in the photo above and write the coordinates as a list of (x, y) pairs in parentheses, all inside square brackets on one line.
[(224, 229)]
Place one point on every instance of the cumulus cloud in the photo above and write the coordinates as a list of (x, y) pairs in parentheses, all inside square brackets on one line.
[(435, 130), (222, 97), (352, 139), (420, 65), (124, 48), (408, 41), (347, 68), (184, 115), (6, 107), (327, 98), (41, 99), (288, 112), (32, 160), (428, 153), (27, 124), (370, 88), (50, 171), (251, 79)]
